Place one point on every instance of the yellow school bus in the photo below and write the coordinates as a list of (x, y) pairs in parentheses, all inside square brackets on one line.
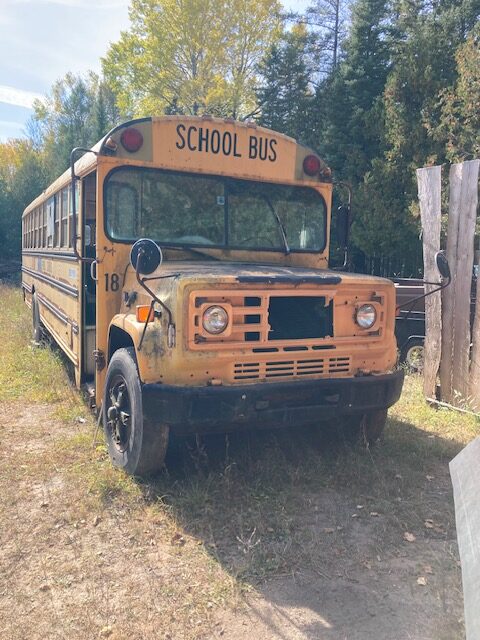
[(182, 266)]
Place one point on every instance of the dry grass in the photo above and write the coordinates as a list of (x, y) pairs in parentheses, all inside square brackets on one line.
[(85, 550)]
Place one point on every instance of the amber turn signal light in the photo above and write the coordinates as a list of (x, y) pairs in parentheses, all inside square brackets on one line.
[(145, 313)]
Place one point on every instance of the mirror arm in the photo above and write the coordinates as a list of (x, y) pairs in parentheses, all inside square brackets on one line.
[(152, 305), (141, 282), (349, 189), (73, 233), (410, 303)]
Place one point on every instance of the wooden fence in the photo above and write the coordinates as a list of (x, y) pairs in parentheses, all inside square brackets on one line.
[(452, 345)]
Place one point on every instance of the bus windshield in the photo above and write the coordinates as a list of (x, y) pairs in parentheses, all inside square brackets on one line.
[(182, 209)]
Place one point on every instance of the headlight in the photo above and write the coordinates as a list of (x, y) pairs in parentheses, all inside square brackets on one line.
[(366, 316), (215, 320)]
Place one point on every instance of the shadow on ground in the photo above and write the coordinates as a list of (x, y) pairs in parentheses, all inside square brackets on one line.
[(316, 530)]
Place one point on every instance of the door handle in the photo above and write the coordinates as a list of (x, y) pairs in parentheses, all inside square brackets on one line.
[(93, 270)]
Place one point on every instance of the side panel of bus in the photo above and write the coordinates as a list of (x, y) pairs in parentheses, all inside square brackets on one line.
[(51, 274)]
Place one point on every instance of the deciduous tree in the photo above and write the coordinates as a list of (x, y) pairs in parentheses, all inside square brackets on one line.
[(22, 178), (77, 112), (191, 57)]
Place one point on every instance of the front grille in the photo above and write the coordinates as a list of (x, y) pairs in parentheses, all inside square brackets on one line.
[(291, 368), (265, 321)]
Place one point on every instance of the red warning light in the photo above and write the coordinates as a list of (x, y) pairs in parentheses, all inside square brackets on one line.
[(311, 165), (131, 139)]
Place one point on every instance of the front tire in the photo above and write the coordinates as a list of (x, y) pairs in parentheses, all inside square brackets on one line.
[(367, 427), (135, 444)]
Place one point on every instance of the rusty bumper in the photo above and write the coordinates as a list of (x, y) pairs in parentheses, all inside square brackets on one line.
[(222, 409)]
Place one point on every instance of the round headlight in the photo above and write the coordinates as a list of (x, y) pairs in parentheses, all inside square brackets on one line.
[(366, 316), (215, 320)]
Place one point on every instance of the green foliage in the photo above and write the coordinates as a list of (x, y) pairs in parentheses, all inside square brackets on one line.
[(77, 112), (386, 110), (191, 57), (351, 135), (328, 20), (379, 87), (384, 225), (22, 178), (459, 123), (285, 94)]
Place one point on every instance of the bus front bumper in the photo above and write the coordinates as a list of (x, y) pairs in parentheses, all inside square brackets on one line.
[(219, 409)]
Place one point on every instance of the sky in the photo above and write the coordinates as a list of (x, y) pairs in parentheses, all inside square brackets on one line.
[(40, 40)]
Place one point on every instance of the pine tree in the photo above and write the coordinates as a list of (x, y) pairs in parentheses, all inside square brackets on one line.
[(328, 22), (459, 123), (349, 99), (285, 95)]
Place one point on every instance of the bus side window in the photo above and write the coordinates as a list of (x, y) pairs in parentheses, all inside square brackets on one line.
[(50, 221), (64, 218), (56, 220), (35, 232), (44, 225), (37, 228)]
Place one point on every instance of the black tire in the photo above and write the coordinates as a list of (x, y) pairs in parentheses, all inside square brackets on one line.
[(366, 428), (135, 444), (37, 331), (413, 354)]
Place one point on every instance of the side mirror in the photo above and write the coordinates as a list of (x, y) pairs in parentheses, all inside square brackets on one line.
[(442, 264), (145, 256), (343, 225)]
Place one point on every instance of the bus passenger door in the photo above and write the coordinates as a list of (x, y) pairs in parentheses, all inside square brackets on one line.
[(89, 283)]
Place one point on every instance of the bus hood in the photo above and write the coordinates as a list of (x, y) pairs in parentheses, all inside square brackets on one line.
[(248, 273)]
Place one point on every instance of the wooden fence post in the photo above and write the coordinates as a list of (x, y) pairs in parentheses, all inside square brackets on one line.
[(463, 198), (474, 389), (429, 194)]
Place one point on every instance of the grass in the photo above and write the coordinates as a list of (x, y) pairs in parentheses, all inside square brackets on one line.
[(224, 519)]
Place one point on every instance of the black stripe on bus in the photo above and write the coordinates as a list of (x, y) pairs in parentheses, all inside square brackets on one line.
[(52, 255), (58, 313), (66, 288)]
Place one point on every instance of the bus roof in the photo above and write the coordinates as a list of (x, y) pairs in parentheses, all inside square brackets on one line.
[(109, 146)]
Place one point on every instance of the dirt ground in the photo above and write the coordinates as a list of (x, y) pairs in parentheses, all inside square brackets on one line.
[(353, 546)]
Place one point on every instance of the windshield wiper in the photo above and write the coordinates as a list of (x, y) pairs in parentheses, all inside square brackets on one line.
[(280, 224), (197, 252)]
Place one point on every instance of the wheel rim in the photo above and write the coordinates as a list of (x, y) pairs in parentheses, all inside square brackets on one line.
[(119, 415), (415, 356)]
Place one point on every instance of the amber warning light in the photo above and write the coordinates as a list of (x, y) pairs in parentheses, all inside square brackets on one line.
[(145, 313), (131, 140)]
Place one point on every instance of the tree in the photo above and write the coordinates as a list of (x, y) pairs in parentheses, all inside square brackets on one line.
[(284, 94), (349, 100), (191, 57), (6, 216), (328, 20), (22, 178), (459, 123), (77, 112)]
